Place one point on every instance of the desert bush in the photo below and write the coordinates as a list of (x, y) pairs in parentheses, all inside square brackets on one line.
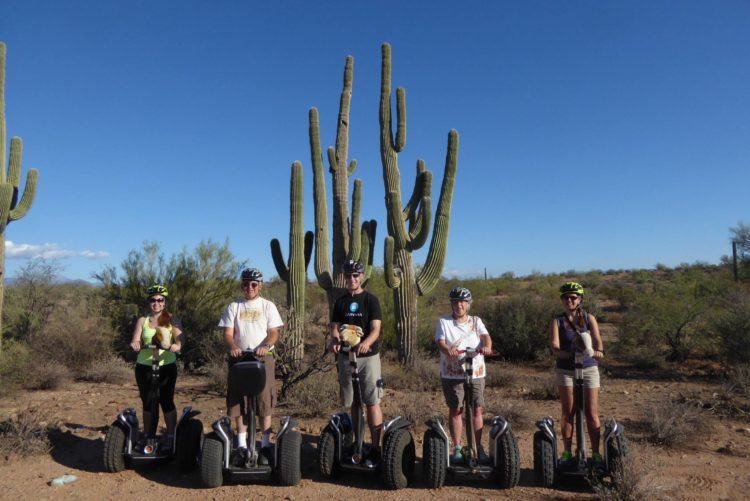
[(417, 408), (14, 362), (630, 482), (675, 424), (514, 411), (519, 325), (113, 370), (315, 396), (543, 388), (47, 375), (643, 358), (732, 327), (500, 376), (25, 434), (216, 370), (423, 376), (31, 299)]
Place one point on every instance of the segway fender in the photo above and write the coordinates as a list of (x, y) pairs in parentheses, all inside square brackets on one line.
[(612, 430), (128, 421), (547, 426), (435, 424), (338, 425), (287, 423), (396, 423), (223, 429)]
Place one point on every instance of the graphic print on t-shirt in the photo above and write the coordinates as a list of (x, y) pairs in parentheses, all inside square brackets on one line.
[(250, 315)]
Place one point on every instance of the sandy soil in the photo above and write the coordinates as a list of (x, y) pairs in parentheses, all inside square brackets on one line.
[(716, 467)]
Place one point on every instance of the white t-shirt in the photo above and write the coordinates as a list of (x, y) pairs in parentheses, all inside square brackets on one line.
[(460, 336), (251, 321)]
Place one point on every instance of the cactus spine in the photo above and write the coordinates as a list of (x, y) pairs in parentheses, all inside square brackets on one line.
[(350, 241), (11, 208), (408, 227), (295, 272)]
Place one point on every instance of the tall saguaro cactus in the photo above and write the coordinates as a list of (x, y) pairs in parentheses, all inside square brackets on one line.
[(295, 272), (409, 226), (11, 208), (350, 241)]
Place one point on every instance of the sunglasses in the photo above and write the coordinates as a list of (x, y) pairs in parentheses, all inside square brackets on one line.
[(351, 275), (571, 298), (156, 300), (248, 285)]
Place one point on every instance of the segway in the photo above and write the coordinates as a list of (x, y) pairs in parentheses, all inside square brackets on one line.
[(221, 458), (504, 462), (548, 468), (122, 443), (341, 447)]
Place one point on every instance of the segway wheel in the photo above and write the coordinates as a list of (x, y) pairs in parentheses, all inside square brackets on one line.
[(327, 454), (189, 444), (508, 471), (288, 470), (114, 448), (617, 449), (434, 462), (544, 460), (210, 463), (398, 459)]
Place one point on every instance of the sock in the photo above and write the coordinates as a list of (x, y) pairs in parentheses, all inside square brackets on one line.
[(242, 440), (265, 439)]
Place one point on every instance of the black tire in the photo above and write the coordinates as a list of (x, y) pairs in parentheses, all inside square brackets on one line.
[(617, 449), (327, 454), (288, 470), (398, 459), (434, 464), (189, 444), (114, 449), (544, 460), (508, 471), (211, 461)]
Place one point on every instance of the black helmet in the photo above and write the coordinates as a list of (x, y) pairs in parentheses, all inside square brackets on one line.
[(251, 275), (157, 290), (460, 294), (352, 266)]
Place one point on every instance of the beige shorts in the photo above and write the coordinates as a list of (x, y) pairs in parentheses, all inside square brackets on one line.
[(590, 377), (266, 401), (370, 380), (453, 391)]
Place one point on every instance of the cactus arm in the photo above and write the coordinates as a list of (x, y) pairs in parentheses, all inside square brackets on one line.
[(27, 199), (401, 119), (396, 225), (391, 273), (331, 159), (430, 273), (342, 130), (355, 238), (416, 221), (421, 230), (322, 266), (6, 195), (416, 194), (278, 260), (14, 167), (386, 127), (352, 167), (309, 237), (366, 250)]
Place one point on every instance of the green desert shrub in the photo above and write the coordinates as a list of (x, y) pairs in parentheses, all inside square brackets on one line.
[(733, 328), (675, 424), (112, 370), (314, 396)]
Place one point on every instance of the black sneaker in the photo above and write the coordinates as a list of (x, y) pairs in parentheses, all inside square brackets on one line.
[(264, 457), (240, 457), (373, 457)]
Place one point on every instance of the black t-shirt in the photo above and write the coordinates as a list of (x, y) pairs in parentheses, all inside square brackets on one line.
[(359, 309)]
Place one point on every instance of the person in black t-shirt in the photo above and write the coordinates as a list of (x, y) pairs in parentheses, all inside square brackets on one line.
[(360, 308)]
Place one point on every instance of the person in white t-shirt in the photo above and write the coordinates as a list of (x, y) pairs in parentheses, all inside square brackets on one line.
[(252, 323), (455, 333)]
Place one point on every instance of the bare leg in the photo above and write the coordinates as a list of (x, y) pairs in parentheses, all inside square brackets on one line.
[(566, 422), (456, 425), (592, 417), (478, 425), (375, 420)]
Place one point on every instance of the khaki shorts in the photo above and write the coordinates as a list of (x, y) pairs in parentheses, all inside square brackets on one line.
[(590, 377), (266, 401), (370, 380), (453, 391)]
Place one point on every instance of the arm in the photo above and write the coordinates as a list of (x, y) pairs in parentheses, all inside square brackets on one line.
[(233, 349), (333, 342), (179, 338), (270, 340), (444, 348), (486, 344), (596, 338), (554, 341), (135, 342), (366, 343)]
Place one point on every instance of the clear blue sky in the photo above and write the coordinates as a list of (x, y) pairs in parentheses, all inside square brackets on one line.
[(593, 134)]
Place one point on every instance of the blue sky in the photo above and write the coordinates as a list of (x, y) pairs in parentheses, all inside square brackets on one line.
[(593, 134)]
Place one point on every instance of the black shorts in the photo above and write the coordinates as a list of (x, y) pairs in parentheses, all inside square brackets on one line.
[(167, 380)]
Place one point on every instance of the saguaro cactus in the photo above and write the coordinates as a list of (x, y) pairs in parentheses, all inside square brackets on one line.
[(295, 272), (350, 241), (402, 240), (11, 208)]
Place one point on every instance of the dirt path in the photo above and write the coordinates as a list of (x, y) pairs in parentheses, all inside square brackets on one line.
[(85, 410)]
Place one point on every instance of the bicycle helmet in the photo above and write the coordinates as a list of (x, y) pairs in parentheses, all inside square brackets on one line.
[(460, 294), (571, 288), (251, 275), (157, 290), (352, 266)]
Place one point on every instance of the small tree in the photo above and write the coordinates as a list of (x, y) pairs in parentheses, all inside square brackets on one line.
[(31, 299), (740, 236)]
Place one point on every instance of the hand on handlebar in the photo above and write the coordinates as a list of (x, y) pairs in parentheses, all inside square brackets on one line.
[(262, 350), (454, 352), (363, 348), (235, 352), (484, 350), (175, 348), (136, 345)]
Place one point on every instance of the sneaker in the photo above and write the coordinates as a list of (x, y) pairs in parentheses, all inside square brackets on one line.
[(263, 457), (597, 458), (373, 458), (566, 457), (240, 456), (482, 456), (458, 455)]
